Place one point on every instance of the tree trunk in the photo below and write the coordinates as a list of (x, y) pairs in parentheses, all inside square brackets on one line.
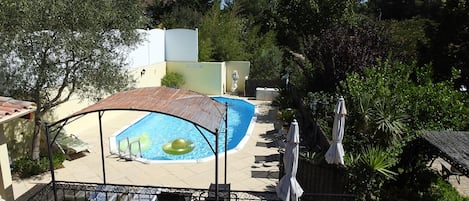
[(36, 142)]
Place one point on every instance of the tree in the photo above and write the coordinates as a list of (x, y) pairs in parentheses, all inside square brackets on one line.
[(450, 42), (446, 25), (340, 50), (220, 36), (57, 48), (298, 18), (258, 13), (404, 9), (178, 13)]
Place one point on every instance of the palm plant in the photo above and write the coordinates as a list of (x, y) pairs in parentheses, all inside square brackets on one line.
[(369, 170), (388, 123)]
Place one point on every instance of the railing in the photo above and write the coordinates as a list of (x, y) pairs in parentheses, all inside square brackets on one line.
[(127, 154), (67, 191), (94, 191)]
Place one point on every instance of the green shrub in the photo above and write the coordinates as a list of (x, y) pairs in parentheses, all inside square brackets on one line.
[(376, 164), (25, 167), (286, 116), (443, 191), (388, 106), (172, 79)]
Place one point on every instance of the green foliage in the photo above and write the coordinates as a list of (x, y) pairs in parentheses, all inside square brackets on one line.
[(172, 79), (388, 106), (389, 9), (415, 180), (81, 52), (369, 171), (267, 64), (25, 167), (49, 60), (286, 116), (424, 186), (321, 105), (390, 102), (443, 191), (260, 13), (296, 19), (340, 50), (177, 14), (408, 37), (220, 36), (181, 17)]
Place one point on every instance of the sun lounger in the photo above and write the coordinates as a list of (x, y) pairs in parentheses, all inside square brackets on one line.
[(71, 144)]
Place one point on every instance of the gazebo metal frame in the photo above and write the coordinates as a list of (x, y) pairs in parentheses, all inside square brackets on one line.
[(200, 110)]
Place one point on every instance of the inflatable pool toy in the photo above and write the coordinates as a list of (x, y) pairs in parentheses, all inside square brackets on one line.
[(178, 147), (145, 143)]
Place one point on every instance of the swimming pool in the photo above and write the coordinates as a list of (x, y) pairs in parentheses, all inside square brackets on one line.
[(161, 129)]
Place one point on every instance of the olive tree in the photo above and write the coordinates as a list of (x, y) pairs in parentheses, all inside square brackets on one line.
[(56, 48)]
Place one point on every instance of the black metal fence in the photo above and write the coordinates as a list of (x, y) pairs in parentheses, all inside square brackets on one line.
[(68, 191), (78, 191)]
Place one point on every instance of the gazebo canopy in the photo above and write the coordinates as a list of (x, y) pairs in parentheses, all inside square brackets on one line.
[(184, 104), (453, 146)]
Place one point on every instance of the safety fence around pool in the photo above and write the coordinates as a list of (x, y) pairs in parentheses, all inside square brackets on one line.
[(66, 191)]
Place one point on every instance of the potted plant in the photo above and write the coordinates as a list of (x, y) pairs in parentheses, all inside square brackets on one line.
[(285, 117)]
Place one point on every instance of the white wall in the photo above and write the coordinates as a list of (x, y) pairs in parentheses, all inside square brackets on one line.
[(181, 45), (157, 46), (149, 51), (160, 45)]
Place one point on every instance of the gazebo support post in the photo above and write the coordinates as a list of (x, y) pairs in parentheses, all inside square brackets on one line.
[(226, 138), (100, 115), (216, 164), (51, 164)]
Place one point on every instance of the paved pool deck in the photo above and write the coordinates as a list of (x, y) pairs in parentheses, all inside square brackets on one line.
[(250, 168)]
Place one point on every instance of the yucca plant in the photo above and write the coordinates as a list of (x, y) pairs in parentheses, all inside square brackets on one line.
[(389, 123), (369, 170)]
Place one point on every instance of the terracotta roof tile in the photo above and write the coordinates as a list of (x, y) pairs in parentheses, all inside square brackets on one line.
[(11, 108)]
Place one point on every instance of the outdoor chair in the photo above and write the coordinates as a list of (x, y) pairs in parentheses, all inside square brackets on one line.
[(71, 144), (447, 172)]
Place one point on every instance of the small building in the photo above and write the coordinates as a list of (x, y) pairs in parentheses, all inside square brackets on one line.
[(10, 109)]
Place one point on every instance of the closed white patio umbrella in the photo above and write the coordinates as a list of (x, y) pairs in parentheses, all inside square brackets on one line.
[(335, 153), (288, 187)]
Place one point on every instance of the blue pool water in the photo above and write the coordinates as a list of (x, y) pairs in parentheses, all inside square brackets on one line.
[(164, 128)]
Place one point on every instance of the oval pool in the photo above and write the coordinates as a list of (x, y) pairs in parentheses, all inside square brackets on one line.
[(161, 129)]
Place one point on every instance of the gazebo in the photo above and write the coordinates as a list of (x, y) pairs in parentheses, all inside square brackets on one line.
[(200, 110), (453, 147)]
